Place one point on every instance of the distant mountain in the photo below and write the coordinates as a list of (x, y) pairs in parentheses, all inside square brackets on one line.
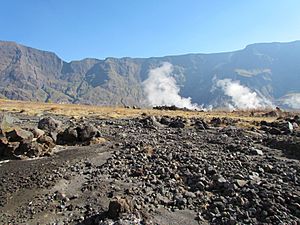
[(272, 70)]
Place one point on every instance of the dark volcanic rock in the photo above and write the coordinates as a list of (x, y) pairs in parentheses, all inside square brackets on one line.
[(118, 206), (87, 132), (216, 121), (177, 123), (172, 108), (51, 126), (37, 132), (7, 149), (32, 149), (150, 122), (201, 124), (289, 146), (68, 136), (165, 120), (227, 175), (76, 135), (46, 141), (19, 135)]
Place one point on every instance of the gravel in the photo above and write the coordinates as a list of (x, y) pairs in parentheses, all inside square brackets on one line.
[(215, 171)]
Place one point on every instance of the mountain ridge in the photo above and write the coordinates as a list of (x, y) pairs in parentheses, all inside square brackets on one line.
[(270, 69)]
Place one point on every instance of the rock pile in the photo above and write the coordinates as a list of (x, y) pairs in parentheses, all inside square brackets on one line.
[(282, 126), (50, 126), (172, 108), (219, 173), (226, 175), (82, 134), (19, 143)]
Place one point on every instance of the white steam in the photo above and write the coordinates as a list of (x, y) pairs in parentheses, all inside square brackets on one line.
[(293, 101), (161, 88), (241, 96)]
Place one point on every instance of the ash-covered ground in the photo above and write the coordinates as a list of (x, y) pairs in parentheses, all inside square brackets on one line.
[(148, 170)]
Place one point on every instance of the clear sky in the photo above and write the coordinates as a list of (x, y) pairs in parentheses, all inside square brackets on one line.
[(76, 29)]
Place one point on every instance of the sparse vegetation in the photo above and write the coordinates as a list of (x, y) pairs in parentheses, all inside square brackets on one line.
[(39, 108)]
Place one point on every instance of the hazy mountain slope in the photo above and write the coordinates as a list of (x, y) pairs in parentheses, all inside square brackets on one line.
[(271, 69)]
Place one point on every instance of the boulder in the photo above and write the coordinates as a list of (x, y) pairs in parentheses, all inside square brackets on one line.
[(177, 123), (73, 135), (166, 107), (216, 121), (165, 120), (201, 125), (277, 127), (285, 126), (51, 126), (37, 132), (68, 136), (118, 206), (19, 135), (46, 141), (87, 132), (32, 149), (7, 149), (274, 131), (6, 123), (150, 122)]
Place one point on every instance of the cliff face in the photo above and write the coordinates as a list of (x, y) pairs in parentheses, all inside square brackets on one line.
[(272, 70)]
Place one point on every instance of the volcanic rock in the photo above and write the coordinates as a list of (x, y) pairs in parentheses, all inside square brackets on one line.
[(51, 126), (165, 107), (241, 183), (68, 136), (46, 141), (87, 132), (274, 131), (256, 151), (6, 123), (150, 122), (165, 120), (216, 121), (37, 132), (19, 135), (177, 123), (7, 149), (31, 149), (272, 113), (118, 206), (218, 176)]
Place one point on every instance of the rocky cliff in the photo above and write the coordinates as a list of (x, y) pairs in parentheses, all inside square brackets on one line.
[(272, 70)]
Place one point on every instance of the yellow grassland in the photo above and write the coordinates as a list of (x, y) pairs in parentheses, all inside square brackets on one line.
[(76, 110)]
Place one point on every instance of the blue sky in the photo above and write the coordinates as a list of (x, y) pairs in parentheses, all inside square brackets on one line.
[(76, 29)]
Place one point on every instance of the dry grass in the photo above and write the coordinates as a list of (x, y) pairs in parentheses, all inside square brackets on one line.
[(39, 108)]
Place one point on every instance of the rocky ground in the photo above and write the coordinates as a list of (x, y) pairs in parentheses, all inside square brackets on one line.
[(148, 170)]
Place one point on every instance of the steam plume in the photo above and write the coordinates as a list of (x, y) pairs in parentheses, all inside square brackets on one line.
[(293, 101), (241, 96), (161, 88)]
